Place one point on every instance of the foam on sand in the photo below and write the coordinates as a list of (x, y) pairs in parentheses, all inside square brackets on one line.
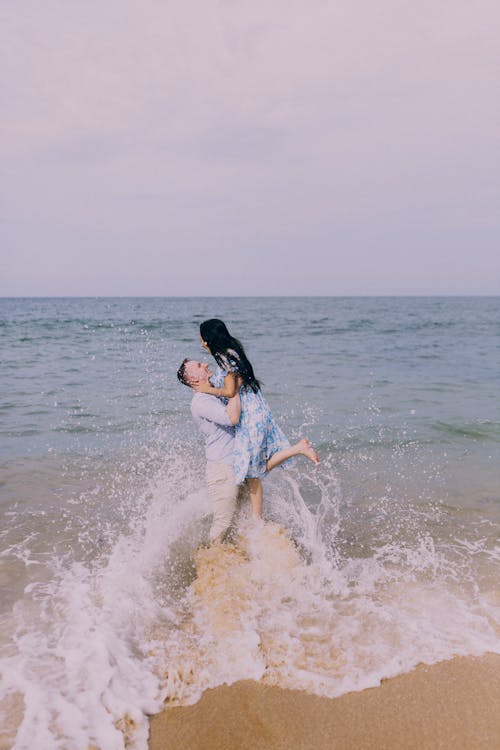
[(100, 644), (257, 610), (453, 705)]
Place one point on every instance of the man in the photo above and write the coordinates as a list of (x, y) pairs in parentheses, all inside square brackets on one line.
[(216, 422)]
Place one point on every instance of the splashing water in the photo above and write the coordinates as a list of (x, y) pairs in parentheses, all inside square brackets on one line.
[(100, 644)]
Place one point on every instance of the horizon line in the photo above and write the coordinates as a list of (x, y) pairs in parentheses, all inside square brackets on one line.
[(243, 296)]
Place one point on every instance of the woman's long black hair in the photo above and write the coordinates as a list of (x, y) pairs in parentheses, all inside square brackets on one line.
[(226, 349)]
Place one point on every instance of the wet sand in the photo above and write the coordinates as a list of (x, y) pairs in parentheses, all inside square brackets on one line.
[(453, 705)]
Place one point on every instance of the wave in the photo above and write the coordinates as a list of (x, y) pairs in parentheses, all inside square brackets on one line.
[(150, 614), (483, 430)]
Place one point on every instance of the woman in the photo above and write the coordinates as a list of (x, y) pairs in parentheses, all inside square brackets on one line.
[(260, 445)]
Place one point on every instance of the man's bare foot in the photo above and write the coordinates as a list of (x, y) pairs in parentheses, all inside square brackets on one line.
[(305, 449)]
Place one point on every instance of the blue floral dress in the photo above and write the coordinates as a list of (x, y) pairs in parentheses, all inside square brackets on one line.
[(257, 436)]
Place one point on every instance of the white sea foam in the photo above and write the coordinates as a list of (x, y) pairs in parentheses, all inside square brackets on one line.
[(99, 646)]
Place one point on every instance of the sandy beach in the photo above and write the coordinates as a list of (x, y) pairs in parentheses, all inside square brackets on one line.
[(452, 705)]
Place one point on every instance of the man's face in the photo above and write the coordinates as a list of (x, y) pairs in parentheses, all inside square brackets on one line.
[(197, 372)]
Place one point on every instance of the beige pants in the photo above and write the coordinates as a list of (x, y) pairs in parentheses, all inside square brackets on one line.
[(222, 490)]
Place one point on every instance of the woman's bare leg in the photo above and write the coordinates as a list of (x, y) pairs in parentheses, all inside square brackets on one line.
[(302, 448), (256, 494)]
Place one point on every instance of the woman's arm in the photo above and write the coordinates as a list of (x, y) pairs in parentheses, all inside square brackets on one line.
[(228, 390), (233, 409)]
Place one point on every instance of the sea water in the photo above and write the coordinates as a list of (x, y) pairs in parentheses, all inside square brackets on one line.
[(384, 556)]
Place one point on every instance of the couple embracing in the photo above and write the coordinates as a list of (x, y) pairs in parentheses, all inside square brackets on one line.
[(242, 440)]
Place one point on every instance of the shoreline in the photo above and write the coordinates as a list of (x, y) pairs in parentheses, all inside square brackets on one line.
[(451, 705)]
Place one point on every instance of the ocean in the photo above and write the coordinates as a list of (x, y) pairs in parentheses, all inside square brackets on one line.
[(385, 556)]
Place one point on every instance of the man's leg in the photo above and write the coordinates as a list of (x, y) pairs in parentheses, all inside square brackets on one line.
[(223, 491)]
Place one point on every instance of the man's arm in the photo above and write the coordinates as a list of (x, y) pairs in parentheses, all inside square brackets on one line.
[(213, 410)]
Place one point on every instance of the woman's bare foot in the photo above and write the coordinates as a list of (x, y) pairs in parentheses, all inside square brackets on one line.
[(302, 448), (305, 448)]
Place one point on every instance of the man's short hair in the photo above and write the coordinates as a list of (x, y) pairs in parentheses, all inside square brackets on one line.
[(181, 373)]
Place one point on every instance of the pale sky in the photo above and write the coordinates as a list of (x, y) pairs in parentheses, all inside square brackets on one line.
[(165, 147)]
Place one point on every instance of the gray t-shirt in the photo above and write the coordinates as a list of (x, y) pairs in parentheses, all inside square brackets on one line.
[(210, 415)]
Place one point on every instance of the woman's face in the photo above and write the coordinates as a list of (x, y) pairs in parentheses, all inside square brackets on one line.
[(204, 344)]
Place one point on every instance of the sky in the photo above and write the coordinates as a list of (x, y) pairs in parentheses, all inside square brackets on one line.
[(271, 147)]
